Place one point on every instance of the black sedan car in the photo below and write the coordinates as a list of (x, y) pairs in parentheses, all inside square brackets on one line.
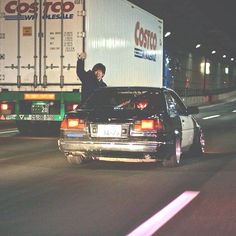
[(131, 124)]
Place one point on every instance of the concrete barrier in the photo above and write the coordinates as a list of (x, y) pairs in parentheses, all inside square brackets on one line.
[(210, 99)]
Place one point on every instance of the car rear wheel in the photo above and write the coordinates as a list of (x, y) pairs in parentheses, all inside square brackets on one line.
[(174, 159)]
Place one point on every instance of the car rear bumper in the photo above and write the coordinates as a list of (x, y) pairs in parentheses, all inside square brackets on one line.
[(94, 146)]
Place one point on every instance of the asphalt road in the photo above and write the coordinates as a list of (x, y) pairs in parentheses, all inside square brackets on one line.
[(40, 194)]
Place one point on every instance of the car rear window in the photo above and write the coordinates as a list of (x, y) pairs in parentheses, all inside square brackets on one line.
[(125, 100)]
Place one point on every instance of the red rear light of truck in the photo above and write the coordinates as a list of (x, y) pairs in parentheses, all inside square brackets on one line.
[(7, 108), (4, 106), (148, 125), (73, 123)]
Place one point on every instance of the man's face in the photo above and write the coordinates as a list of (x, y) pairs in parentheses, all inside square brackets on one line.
[(99, 74)]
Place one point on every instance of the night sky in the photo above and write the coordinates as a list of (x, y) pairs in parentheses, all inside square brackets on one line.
[(212, 22)]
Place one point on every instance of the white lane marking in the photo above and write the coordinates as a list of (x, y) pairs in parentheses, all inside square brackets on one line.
[(234, 111), (150, 226), (210, 117), (9, 131)]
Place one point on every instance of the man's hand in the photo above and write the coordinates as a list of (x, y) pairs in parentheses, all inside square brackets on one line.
[(82, 56)]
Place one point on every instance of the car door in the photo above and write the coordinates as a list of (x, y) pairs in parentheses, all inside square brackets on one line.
[(186, 121), (176, 108)]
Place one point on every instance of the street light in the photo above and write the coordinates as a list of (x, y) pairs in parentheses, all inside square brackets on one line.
[(167, 34), (198, 45)]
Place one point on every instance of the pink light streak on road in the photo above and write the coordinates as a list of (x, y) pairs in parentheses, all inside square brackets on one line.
[(150, 226)]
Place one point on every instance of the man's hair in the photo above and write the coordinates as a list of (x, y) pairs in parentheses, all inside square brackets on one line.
[(99, 66)]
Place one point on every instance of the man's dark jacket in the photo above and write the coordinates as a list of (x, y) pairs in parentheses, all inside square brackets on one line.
[(89, 81)]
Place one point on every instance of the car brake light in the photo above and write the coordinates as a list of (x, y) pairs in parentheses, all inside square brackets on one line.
[(72, 123), (148, 125), (64, 124)]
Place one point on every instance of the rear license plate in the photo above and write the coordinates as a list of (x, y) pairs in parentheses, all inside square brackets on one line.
[(109, 131), (40, 108)]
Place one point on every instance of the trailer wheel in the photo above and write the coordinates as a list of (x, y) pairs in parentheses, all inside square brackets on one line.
[(23, 127), (39, 129)]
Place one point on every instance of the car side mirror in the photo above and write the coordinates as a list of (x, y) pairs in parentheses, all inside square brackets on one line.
[(191, 110)]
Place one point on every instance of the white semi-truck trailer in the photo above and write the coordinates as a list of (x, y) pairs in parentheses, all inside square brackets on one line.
[(40, 41)]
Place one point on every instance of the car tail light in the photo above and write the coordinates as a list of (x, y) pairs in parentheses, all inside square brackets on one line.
[(72, 123), (71, 106), (148, 125)]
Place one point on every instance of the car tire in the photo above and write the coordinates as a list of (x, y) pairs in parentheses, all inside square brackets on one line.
[(174, 159), (198, 146)]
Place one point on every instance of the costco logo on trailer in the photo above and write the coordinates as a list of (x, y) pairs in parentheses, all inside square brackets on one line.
[(15, 9), (146, 41)]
